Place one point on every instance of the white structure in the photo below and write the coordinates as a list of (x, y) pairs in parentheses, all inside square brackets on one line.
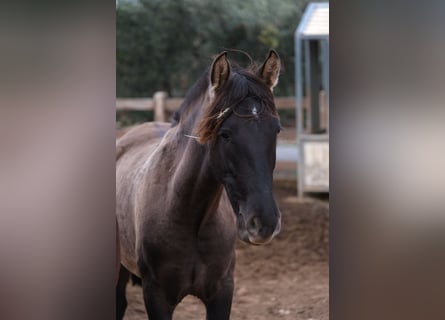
[(312, 53)]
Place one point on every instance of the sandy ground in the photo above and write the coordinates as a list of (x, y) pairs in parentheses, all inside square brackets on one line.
[(286, 279)]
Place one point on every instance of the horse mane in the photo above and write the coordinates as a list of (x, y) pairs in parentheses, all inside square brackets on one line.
[(193, 94)]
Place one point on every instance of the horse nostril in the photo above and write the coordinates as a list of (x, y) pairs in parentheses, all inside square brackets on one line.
[(254, 225)]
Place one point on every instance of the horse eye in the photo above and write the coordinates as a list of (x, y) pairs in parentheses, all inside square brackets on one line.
[(225, 135)]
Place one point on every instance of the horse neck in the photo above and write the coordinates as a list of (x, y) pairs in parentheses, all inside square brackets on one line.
[(193, 173), (193, 179)]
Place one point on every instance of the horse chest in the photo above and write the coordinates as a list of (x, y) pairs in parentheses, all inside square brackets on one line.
[(186, 250), (195, 265)]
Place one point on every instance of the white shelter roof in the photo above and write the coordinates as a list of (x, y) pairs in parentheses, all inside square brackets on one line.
[(315, 21)]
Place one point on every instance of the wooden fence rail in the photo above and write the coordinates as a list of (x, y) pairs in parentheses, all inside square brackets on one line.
[(162, 105)]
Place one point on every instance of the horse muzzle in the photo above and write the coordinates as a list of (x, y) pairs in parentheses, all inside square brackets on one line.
[(254, 231)]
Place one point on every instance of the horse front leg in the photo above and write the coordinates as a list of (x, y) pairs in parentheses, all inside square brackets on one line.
[(156, 304), (121, 299), (220, 305)]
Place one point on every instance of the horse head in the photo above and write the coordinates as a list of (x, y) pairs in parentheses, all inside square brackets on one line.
[(239, 126)]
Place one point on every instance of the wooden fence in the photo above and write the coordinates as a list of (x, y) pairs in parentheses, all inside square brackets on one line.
[(162, 105)]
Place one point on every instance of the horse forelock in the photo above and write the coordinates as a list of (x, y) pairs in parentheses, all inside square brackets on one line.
[(243, 84)]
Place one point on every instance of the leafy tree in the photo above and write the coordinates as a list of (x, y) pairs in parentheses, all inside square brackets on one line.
[(166, 44)]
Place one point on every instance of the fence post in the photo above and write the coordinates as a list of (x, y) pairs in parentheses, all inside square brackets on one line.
[(159, 100)]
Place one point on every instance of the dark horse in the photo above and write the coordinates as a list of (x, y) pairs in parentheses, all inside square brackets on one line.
[(183, 196)]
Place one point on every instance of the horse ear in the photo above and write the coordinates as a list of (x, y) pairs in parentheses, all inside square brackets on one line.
[(219, 71), (270, 70)]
